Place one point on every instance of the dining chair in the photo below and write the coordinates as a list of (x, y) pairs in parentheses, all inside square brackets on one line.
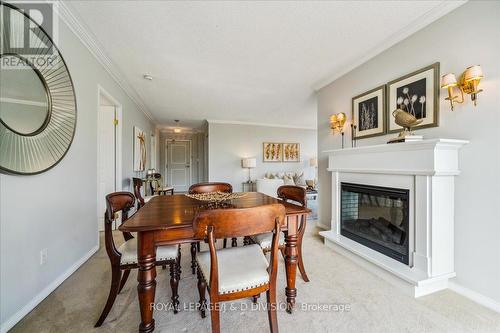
[(158, 187), (298, 195), (237, 272), (124, 258), (141, 201), (208, 187)]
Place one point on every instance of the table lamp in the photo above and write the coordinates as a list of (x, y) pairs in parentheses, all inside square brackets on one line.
[(249, 163)]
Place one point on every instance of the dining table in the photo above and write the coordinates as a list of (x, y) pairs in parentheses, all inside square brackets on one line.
[(168, 219)]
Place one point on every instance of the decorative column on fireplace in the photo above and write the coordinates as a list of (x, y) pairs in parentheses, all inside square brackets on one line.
[(393, 210)]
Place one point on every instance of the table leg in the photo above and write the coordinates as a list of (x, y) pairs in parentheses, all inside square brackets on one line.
[(146, 253), (291, 261)]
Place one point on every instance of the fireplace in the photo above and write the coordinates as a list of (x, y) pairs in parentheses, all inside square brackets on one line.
[(377, 217)]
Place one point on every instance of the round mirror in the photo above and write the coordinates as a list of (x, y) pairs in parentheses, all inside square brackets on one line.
[(37, 97), (24, 104)]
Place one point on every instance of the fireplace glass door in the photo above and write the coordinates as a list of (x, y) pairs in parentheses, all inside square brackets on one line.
[(377, 217)]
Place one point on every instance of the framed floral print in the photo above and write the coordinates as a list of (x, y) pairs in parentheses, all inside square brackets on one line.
[(416, 93), (368, 113), (291, 152), (139, 149), (272, 152)]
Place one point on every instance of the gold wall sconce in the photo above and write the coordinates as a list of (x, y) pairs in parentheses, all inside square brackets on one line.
[(337, 122), (469, 81)]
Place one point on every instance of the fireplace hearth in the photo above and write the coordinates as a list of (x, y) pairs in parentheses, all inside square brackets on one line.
[(377, 217)]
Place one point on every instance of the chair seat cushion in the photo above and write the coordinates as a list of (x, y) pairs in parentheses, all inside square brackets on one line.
[(129, 252), (265, 241), (163, 189), (240, 268), (149, 197)]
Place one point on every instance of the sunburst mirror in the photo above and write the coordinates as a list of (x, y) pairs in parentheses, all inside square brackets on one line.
[(37, 98)]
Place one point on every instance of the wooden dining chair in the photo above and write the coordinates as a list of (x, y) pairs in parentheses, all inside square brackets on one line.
[(208, 187), (298, 195), (238, 272), (137, 185), (157, 185), (124, 258)]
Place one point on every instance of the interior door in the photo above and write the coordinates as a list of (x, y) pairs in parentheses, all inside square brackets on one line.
[(107, 158), (178, 166)]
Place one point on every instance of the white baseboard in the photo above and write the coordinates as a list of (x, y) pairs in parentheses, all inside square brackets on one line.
[(475, 296), (16, 317)]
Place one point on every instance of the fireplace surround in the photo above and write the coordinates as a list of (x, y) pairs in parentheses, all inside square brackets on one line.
[(422, 175)]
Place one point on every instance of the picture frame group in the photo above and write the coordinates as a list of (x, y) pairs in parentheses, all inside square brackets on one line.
[(416, 93), (281, 152)]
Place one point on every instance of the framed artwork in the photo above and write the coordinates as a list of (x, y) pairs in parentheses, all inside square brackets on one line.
[(416, 93), (272, 152), (139, 149), (291, 152), (368, 113)]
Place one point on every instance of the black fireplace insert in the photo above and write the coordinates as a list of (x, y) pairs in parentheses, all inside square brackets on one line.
[(377, 217)]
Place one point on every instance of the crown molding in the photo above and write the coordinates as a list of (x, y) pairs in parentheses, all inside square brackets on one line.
[(422, 21), (93, 46), (235, 122)]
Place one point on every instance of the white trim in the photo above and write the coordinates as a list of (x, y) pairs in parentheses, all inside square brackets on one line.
[(236, 122), (475, 296), (190, 180), (118, 143), (16, 317), (90, 42), (422, 21), (397, 172)]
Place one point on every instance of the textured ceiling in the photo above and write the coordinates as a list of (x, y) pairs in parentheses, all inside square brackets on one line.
[(244, 61)]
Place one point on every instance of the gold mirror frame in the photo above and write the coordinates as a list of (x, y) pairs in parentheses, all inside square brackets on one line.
[(34, 153)]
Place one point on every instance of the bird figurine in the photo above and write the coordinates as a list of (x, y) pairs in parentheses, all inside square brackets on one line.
[(405, 120)]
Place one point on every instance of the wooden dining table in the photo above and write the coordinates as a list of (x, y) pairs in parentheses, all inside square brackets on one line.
[(168, 219)]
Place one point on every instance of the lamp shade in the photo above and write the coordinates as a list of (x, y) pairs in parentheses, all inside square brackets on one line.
[(249, 163), (313, 162), (341, 118), (448, 80), (473, 73)]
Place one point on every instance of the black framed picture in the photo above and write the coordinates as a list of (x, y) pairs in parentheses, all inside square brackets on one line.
[(416, 93), (368, 113)]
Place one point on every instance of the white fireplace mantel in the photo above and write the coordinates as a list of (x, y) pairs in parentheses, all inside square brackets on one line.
[(427, 169)]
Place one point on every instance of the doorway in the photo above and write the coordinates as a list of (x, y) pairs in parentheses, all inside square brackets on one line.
[(178, 164), (109, 143)]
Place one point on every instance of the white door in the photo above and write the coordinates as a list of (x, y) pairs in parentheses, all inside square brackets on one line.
[(107, 158), (178, 166)]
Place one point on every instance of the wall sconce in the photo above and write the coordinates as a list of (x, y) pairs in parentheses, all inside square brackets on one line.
[(469, 81), (337, 122)]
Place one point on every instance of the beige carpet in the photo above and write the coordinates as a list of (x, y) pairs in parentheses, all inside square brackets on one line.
[(370, 304)]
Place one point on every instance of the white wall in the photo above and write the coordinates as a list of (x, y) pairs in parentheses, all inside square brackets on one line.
[(57, 209), (456, 42), (229, 143)]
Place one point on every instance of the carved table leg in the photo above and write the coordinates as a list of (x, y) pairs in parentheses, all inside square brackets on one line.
[(291, 261), (146, 253)]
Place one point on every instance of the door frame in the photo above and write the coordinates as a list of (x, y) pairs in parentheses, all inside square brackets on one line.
[(190, 182), (118, 142)]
